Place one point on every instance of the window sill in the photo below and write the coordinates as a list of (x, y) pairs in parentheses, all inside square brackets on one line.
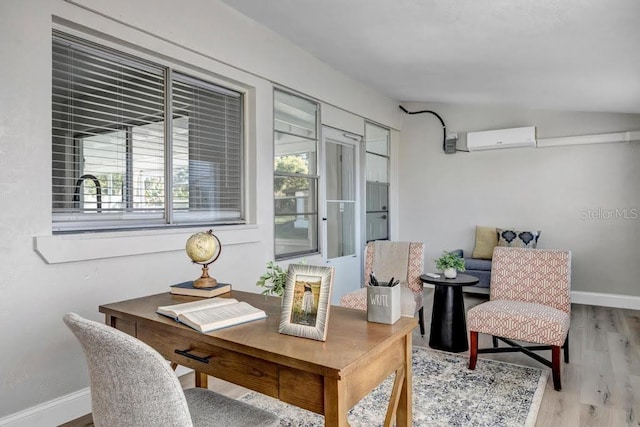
[(58, 249)]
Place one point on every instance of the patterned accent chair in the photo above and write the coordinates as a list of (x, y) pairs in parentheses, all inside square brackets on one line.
[(133, 385), (411, 289), (530, 301)]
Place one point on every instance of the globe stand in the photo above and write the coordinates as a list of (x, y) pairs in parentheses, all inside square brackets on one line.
[(205, 281)]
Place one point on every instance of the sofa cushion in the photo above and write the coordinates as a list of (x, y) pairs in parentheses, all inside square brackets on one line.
[(517, 239), (477, 264), (486, 240), (484, 278)]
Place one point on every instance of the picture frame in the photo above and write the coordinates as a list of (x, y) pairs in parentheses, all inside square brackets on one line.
[(306, 301)]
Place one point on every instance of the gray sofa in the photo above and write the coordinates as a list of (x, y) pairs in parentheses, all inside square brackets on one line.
[(480, 268), (488, 238)]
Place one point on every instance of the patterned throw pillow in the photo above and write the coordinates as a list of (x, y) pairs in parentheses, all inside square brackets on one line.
[(517, 239)]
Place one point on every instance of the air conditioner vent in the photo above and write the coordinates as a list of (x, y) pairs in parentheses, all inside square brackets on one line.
[(502, 138)]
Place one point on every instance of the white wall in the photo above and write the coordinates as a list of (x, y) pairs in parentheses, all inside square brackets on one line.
[(39, 359), (444, 196)]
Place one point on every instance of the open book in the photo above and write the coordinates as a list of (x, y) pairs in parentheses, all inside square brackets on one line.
[(211, 314)]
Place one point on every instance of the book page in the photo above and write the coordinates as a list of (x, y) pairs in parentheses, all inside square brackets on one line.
[(176, 309), (222, 316)]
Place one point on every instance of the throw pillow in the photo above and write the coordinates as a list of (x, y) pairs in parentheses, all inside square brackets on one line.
[(517, 239), (486, 240)]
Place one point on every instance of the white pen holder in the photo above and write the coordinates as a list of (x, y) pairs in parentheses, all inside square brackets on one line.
[(383, 304)]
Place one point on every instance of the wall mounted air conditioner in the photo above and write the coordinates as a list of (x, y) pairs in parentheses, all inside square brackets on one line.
[(502, 138)]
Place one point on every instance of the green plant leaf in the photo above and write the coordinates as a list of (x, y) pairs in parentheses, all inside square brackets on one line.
[(450, 260), (273, 280)]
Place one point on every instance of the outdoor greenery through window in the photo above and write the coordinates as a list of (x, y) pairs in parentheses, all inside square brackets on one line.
[(119, 163), (295, 175)]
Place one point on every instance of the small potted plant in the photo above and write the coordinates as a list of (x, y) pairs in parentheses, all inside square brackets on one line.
[(273, 280), (450, 263)]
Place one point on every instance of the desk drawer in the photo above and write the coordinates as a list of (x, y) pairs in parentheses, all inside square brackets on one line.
[(238, 368)]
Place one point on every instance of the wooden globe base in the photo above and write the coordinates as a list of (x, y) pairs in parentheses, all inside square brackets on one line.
[(205, 281)]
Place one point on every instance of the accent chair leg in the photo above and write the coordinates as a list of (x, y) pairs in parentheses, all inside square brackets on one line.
[(566, 349), (555, 367), (473, 350), (421, 320)]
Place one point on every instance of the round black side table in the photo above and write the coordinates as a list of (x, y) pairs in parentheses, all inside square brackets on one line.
[(448, 319)]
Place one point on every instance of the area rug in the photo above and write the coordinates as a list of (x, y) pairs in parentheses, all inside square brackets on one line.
[(445, 393)]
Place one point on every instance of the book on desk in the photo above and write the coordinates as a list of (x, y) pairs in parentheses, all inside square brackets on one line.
[(212, 314), (187, 288)]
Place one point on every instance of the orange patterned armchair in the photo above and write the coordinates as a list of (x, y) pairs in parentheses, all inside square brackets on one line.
[(530, 301), (402, 259)]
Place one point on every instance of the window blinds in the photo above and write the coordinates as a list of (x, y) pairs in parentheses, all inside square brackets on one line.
[(207, 149), (117, 163)]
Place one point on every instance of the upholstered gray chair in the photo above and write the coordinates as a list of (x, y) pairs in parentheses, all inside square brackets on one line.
[(133, 385)]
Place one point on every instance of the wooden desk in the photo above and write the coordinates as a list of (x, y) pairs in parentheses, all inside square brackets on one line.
[(325, 377)]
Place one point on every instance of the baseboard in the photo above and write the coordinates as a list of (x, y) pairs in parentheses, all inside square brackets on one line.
[(182, 370), (61, 410), (606, 300), (52, 413)]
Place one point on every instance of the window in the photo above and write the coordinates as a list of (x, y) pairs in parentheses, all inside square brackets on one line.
[(295, 175), (119, 163), (377, 173)]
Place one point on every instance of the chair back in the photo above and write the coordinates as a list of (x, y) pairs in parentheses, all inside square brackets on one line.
[(541, 276), (413, 265), (131, 383)]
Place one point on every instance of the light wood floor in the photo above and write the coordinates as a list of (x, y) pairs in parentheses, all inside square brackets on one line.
[(600, 385)]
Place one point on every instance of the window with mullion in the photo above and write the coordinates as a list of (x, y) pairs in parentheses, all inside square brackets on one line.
[(110, 164), (295, 175), (377, 140)]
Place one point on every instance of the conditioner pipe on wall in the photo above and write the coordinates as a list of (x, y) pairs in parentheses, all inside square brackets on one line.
[(444, 127)]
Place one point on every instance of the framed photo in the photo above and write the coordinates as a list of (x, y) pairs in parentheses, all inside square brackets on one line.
[(305, 305)]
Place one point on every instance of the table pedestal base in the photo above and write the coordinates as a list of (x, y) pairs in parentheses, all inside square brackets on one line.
[(448, 320)]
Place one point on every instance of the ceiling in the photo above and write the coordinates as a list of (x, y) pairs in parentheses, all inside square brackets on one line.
[(576, 55)]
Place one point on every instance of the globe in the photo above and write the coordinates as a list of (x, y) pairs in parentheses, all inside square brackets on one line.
[(204, 248), (201, 247)]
